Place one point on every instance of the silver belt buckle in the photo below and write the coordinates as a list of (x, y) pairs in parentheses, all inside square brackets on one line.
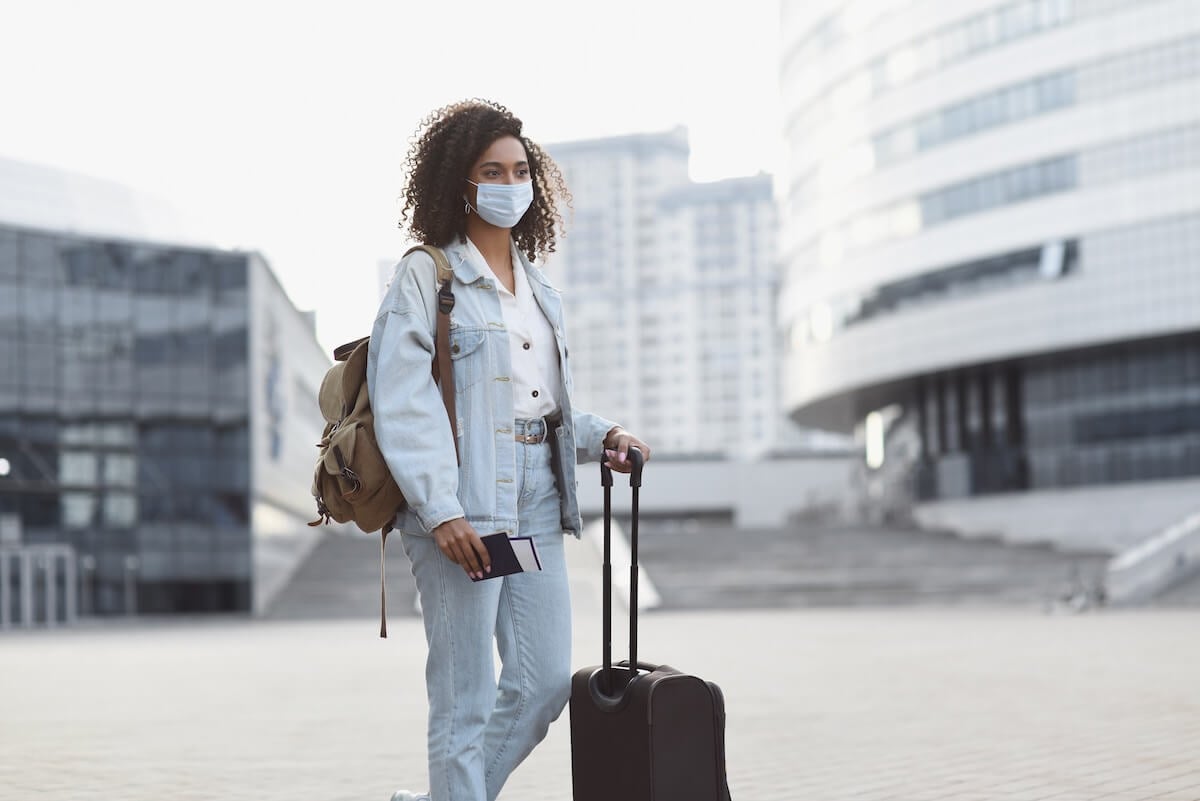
[(534, 439)]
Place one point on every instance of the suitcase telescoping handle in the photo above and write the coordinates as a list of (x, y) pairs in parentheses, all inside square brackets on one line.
[(637, 461)]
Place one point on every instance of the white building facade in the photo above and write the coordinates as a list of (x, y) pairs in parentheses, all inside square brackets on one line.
[(992, 230)]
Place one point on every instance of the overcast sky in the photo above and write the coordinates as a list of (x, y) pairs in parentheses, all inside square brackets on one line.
[(282, 126)]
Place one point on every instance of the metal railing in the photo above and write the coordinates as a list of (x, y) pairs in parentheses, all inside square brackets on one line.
[(38, 586), (1152, 566)]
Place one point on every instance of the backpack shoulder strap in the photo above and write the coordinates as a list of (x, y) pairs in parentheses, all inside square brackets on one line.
[(444, 271)]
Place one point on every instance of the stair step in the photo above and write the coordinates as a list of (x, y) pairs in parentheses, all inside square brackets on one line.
[(340, 579), (710, 565)]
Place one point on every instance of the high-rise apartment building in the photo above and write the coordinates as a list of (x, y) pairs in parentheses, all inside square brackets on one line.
[(992, 229), (607, 258), (669, 287)]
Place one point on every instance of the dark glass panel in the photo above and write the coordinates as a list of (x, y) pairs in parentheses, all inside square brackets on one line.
[(231, 347), (39, 510), (230, 272), (81, 263), (192, 273), (41, 260), (152, 271), (191, 347), (154, 507), (38, 308), (39, 369), (9, 255), (116, 271), (151, 349)]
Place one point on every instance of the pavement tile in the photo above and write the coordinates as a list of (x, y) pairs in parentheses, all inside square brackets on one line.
[(1179, 782), (830, 705)]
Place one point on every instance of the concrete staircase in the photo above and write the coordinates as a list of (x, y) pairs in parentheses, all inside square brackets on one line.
[(708, 564), (340, 579), (1184, 594), (1110, 518)]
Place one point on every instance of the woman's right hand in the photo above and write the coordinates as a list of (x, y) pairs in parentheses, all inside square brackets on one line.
[(460, 543)]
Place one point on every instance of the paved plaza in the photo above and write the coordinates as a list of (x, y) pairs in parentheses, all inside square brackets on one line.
[(864, 704)]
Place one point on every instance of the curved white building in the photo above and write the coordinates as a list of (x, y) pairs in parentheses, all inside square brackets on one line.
[(992, 228)]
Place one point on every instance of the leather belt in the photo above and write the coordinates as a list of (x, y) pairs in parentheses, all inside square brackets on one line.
[(530, 439)]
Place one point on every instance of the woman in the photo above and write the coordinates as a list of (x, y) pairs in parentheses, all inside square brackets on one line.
[(486, 195)]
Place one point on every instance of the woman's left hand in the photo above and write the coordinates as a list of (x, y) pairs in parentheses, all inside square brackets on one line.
[(616, 449)]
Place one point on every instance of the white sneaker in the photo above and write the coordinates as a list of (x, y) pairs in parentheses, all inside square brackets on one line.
[(405, 795)]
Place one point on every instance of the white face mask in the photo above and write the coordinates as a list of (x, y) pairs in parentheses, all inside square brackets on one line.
[(503, 205)]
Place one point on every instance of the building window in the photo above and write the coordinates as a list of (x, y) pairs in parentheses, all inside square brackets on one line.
[(78, 468), (120, 510), (78, 509)]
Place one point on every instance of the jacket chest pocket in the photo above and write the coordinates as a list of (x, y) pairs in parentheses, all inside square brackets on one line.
[(468, 356)]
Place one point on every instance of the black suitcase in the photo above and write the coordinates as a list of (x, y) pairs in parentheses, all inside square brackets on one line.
[(649, 732)]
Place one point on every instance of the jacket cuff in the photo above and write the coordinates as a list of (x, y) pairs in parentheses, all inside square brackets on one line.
[(432, 517), (590, 431)]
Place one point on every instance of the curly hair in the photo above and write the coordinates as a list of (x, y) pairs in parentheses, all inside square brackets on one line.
[(447, 144)]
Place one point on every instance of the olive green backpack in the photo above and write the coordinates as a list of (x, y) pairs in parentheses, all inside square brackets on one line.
[(352, 482)]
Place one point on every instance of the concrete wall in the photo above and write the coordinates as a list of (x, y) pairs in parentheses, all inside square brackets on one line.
[(1109, 519), (286, 367), (757, 494)]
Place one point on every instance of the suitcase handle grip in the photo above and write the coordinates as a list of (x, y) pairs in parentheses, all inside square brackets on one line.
[(637, 462)]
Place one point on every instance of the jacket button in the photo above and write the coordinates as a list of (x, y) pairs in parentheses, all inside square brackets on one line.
[(526, 346), (454, 349), (535, 393)]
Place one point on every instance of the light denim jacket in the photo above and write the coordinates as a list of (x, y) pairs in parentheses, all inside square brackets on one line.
[(410, 420)]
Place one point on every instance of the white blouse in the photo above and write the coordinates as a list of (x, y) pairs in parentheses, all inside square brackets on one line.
[(535, 368)]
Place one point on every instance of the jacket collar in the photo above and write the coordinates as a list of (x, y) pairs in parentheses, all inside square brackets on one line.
[(464, 269), (468, 272)]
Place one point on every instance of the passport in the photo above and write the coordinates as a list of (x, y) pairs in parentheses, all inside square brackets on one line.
[(510, 555)]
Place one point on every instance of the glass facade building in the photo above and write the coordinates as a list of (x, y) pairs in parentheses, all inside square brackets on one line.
[(142, 416), (992, 229)]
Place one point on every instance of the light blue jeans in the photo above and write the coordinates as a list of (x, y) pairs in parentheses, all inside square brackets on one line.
[(479, 731)]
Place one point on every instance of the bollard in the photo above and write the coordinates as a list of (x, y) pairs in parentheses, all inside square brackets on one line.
[(49, 574), (70, 597), (87, 578), (131, 567), (5, 602), (26, 562)]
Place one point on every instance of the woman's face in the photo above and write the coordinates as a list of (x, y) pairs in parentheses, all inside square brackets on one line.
[(503, 162)]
